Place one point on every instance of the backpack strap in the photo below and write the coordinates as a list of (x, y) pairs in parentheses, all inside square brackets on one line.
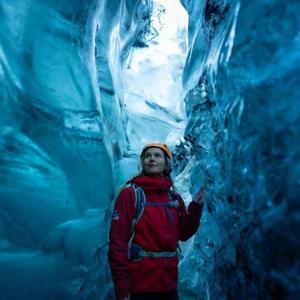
[(140, 202), (173, 202), (137, 253)]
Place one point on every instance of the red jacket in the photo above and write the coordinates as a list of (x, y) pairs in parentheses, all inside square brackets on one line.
[(153, 232)]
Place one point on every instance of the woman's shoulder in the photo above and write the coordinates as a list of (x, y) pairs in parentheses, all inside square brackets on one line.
[(125, 199), (177, 197), (126, 191)]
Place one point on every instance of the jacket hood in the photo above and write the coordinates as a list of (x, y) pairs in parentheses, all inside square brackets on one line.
[(153, 183)]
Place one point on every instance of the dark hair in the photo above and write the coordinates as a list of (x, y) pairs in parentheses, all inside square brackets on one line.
[(168, 167)]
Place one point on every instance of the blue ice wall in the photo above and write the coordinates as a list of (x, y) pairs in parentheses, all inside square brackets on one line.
[(63, 133), (55, 168), (66, 145), (242, 78)]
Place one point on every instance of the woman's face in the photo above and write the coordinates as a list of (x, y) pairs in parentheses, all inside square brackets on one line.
[(153, 161)]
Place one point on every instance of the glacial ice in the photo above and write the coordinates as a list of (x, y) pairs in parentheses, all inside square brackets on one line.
[(84, 84)]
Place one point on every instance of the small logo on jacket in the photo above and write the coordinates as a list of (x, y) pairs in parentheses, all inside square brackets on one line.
[(115, 215)]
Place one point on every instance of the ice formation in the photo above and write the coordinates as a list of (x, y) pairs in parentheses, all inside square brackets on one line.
[(85, 83)]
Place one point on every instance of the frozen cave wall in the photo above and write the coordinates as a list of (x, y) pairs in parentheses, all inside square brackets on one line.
[(243, 130), (54, 196), (63, 115)]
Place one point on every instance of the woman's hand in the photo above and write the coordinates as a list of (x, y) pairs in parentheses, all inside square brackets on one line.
[(199, 198)]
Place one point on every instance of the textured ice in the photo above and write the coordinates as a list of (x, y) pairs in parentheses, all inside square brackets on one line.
[(85, 83)]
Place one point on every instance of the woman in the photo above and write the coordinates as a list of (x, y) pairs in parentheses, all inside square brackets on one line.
[(143, 255)]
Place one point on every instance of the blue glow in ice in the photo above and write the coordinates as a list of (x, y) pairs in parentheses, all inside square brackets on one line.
[(85, 83)]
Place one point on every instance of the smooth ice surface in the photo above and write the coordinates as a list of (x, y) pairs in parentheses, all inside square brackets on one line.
[(85, 83)]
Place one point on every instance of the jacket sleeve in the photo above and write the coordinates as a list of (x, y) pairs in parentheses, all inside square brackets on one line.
[(118, 242), (189, 219)]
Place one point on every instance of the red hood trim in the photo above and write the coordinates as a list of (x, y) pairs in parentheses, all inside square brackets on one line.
[(152, 183)]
